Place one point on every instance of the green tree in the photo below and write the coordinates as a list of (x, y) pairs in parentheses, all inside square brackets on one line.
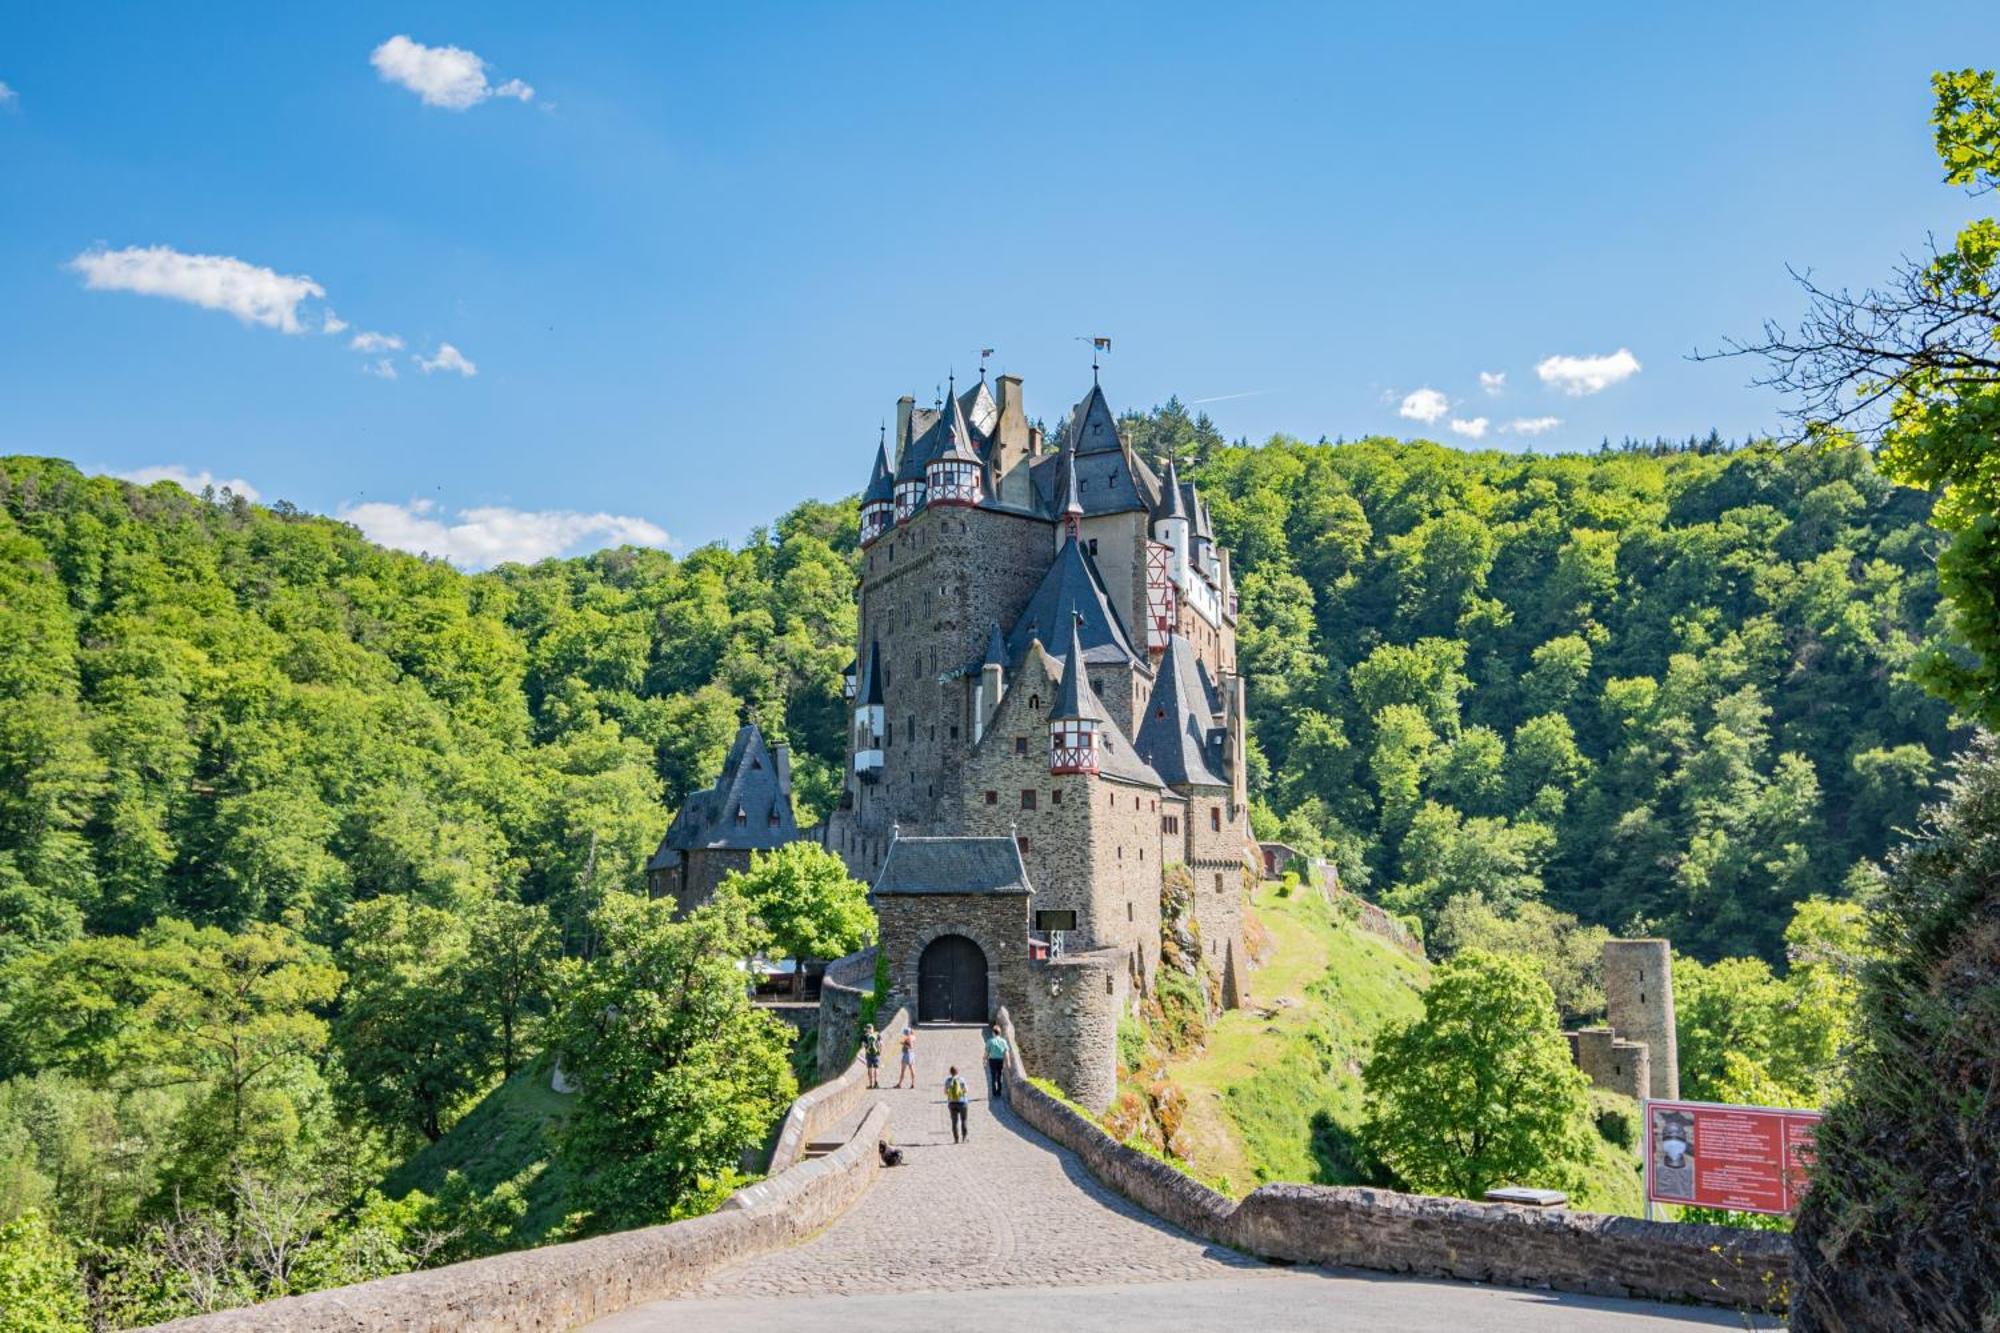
[(806, 902), (678, 1073), (510, 967), (1480, 1090), (40, 1290)]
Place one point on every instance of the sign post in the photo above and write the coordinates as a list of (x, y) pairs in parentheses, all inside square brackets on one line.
[(1752, 1159)]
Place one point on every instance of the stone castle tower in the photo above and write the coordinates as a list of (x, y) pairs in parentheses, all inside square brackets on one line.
[(1047, 654)]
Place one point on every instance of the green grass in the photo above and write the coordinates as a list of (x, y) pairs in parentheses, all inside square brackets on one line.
[(511, 1131), (1276, 1093)]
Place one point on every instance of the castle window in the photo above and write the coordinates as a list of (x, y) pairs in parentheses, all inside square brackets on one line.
[(1092, 544), (1218, 881), (774, 819), (1020, 745), (741, 818), (954, 733), (992, 798), (1130, 914), (1035, 702), (1021, 843), (1053, 920), (1215, 819), (756, 762), (1055, 797), (1027, 798)]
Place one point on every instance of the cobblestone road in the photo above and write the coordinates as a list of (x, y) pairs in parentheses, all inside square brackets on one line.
[(1005, 1208), (1009, 1209)]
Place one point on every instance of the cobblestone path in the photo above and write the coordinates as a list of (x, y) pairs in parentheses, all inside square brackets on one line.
[(1005, 1208)]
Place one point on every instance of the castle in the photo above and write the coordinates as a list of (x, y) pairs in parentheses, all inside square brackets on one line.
[(1046, 716)]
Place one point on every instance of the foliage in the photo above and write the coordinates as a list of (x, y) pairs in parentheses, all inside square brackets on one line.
[(803, 897), (1898, 1223), (1665, 691), (39, 1290), (1569, 955), (678, 1074), (1480, 1091)]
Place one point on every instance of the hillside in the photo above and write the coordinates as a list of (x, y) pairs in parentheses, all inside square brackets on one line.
[(1275, 1092)]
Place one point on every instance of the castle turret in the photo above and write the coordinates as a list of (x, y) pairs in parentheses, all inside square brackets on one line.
[(954, 476), (878, 502), (869, 720), (910, 474), (1072, 505), (1639, 1005), (1076, 717), (1170, 522)]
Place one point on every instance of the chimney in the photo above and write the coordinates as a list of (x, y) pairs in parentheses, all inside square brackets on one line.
[(1011, 439), (904, 407), (781, 759)]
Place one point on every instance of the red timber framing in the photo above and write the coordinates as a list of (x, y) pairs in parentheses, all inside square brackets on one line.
[(1160, 615)]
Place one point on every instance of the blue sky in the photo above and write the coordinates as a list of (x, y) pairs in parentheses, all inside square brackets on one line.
[(695, 265)]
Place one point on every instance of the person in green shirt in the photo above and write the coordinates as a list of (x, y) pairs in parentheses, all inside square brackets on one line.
[(996, 1062), (871, 1051), (954, 1100)]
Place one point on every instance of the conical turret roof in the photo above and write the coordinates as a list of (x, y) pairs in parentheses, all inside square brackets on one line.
[(996, 648), (881, 486), (957, 435), (1171, 504), (871, 686), (1174, 738), (1075, 700)]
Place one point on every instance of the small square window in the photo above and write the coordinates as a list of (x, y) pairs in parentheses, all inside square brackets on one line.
[(992, 798), (1021, 843), (1055, 797), (1027, 798), (1020, 745)]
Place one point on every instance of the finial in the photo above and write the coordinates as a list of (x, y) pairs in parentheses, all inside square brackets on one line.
[(895, 830)]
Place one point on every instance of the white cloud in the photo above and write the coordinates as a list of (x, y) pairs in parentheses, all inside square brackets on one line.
[(494, 534), (254, 295), (1578, 376), (1531, 425), (1493, 381), (447, 358), (1475, 429), (8, 97), (333, 324), (1425, 405), (192, 482), (375, 342), (383, 369), (446, 76)]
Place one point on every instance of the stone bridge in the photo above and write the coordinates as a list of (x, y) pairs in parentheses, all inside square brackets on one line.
[(1041, 1216)]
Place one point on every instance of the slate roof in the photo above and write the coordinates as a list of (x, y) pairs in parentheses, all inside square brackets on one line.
[(1175, 735), (1172, 503), (981, 412), (1073, 587), (956, 441), (1093, 429), (870, 693), (1075, 700), (953, 865), (996, 648), (881, 485), (755, 780)]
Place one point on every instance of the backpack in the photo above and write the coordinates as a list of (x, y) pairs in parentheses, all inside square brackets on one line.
[(954, 1089)]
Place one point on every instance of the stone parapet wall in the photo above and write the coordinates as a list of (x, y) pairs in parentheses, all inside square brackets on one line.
[(1432, 1237), (1515, 1246), (564, 1286), (847, 981)]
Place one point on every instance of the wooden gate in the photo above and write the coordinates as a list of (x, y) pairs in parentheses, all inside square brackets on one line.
[(951, 982)]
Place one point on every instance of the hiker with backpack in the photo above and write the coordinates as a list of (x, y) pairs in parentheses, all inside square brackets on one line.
[(954, 1100), (871, 1051)]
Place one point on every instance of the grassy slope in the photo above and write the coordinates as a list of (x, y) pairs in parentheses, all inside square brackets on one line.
[(510, 1131), (1276, 1093)]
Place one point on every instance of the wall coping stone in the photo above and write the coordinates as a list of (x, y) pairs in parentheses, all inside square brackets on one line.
[(819, 1109)]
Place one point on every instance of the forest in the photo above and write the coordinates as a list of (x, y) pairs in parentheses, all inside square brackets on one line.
[(306, 844)]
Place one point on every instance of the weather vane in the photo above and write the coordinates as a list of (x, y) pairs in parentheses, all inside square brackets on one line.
[(1098, 345)]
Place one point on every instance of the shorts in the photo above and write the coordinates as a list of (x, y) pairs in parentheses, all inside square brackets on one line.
[(874, 1061)]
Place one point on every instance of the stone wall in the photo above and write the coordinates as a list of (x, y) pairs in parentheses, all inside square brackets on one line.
[(1071, 1007), (847, 981), (996, 922), (1612, 1063), (1431, 1237), (563, 1286)]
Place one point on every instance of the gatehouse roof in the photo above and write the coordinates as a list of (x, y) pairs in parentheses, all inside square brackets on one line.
[(953, 865)]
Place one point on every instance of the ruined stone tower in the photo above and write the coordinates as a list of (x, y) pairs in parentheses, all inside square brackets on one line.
[(1639, 1005)]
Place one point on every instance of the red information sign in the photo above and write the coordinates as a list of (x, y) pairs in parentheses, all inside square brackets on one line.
[(1751, 1158)]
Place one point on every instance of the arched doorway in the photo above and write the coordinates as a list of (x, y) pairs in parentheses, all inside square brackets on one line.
[(951, 981)]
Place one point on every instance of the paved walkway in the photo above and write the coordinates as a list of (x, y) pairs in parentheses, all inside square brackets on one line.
[(1009, 1209)]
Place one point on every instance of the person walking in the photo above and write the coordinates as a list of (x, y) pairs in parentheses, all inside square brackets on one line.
[(909, 1058), (871, 1051), (954, 1100), (996, 1062)]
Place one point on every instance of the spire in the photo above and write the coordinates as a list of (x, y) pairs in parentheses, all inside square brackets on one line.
[(958, 435), (996, 647), (1072, 508), (881, 485), (1172, 504), (1075, 701)]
